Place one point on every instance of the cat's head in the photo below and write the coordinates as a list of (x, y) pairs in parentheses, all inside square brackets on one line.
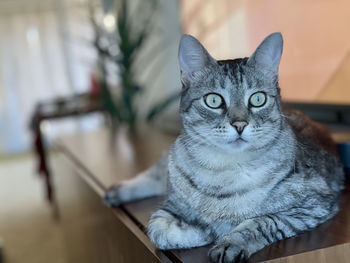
[(232, 104)]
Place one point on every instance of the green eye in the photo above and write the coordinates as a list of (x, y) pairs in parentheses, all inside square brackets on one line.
[(213, 100), (258, 99)]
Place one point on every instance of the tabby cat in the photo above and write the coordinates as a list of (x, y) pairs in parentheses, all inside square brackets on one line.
[(242, 174)]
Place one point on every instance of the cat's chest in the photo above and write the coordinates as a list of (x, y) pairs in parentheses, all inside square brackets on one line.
[(233, 208), (230, 210), (220, 188), (225, 197)]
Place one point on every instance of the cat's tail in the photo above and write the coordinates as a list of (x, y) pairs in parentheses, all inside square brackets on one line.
[(152, 182)]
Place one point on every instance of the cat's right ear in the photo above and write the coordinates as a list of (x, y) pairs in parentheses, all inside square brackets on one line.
[(193, 57)]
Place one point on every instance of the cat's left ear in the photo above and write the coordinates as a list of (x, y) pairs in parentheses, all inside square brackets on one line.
[(193, 57), (267, 56)]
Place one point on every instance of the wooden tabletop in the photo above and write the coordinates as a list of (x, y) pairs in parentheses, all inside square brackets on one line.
[(104, 163)]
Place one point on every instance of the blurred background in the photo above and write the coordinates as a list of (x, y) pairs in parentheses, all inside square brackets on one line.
[(70, 66)]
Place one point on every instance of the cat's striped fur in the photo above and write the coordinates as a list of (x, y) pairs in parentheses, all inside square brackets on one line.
[(244, 191)]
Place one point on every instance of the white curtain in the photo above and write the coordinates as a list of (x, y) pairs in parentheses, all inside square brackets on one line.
[(33, 59), (31, 70)]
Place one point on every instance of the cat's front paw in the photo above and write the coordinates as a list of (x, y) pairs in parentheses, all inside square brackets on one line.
[(169, 232), (112, 196), (227, 253)]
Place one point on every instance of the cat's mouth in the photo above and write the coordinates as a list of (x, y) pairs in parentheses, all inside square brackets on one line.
[(239, 140), (236, 144)]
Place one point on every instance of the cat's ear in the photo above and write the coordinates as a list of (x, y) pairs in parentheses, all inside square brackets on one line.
[(267, 56), (193, 57)]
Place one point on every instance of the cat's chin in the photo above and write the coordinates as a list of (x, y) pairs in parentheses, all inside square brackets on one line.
[(236, 145)]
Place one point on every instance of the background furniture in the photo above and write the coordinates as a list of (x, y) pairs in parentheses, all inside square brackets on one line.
[(59, 108)]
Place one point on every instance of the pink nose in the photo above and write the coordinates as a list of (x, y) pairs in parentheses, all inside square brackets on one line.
[(239, 125)]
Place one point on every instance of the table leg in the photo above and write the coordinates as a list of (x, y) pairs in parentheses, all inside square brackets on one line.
[(43, 168)]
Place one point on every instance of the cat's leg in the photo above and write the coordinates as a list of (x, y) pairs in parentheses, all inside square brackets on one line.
[(167, 231), (151, 182), (253, 234)]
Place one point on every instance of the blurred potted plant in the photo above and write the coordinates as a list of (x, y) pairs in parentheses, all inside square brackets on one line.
[(118, 31)]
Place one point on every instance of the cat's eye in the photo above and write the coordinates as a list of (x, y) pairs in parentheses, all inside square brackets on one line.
[(258, 99), (213, 100)]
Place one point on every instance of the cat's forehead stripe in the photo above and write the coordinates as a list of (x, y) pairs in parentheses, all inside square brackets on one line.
[(228, 82), (235, 79), (218, 83), (240, 72), (234, 76), (244, 82)]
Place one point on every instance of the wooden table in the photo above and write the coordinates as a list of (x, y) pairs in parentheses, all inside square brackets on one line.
[(101, 163)]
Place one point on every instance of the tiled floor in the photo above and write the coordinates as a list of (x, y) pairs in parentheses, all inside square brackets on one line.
[(27, 228)]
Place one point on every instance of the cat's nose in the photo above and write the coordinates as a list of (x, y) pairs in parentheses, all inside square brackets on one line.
[(239, 125)]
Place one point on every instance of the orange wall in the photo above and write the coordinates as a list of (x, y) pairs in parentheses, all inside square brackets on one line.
[(316, 34)]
